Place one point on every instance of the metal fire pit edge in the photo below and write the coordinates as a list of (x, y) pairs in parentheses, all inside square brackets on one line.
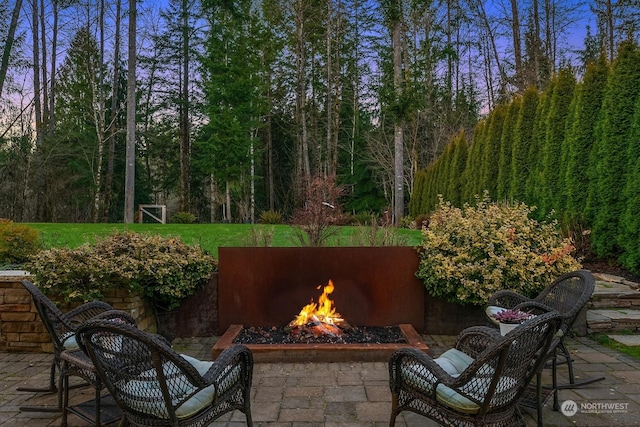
[(321, 353)]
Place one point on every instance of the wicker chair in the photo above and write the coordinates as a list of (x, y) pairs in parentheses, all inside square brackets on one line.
[(61, 328), (155, 386), (479, 382), (567, 295), (75, 362)]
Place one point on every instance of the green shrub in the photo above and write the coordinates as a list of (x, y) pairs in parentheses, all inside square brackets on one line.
[(259, 237), (468, 254), (183, 218), (408, 222), (163, 269), (271, 217), (17, 242), (362, 218), (374, 234)]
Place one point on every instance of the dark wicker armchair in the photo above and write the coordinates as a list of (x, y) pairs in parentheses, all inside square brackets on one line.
[(61, 328), (155, 386), (567, 295), (479, 381), (75, 362)]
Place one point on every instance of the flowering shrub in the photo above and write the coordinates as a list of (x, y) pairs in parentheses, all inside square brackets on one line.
[(468, 254), (164, 269), (511, 316)]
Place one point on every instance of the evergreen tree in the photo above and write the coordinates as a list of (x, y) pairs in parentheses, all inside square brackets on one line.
[(491, 153), (419, 190), (506, 148), (444, 177), (231, 85), (609, 155), (522, 140), (580, 139), (552, 149), (534, 180), (72, 154), (458, 164), (630, 221), (474, 158)]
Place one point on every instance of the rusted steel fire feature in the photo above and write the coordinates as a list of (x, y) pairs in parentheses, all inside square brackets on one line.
[(375, 286), (266, 287)]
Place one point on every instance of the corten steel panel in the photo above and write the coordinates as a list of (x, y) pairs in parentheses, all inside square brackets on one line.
[(374, 286)]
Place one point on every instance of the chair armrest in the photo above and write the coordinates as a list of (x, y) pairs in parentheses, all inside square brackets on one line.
[(236, 355), (476, 339), (506, 299), (85, 312), (119, 315), (534, 307)]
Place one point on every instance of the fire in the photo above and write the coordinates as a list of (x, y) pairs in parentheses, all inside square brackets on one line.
[(320, 317)]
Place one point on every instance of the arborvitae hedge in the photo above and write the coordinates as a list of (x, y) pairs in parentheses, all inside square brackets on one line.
[(491, 155), (587, 169), (534, 180), (554, 138), (506, 147), (472, 171), (630, 222), (580, 138), (609, 154), (458, 164)]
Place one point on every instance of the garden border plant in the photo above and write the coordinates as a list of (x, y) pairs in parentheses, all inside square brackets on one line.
[(469, 253), (163, 269)]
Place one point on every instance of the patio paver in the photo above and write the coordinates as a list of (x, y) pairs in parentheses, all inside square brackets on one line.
[(348, 394)]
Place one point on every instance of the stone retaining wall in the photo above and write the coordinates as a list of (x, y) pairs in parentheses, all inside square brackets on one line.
[(20, 325)]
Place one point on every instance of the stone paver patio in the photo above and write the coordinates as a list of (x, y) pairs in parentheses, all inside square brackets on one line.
[(348, 394)]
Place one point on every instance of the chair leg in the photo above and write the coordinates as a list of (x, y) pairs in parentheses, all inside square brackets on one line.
[(52, 383), (51, 389), (539, 398), (572, 380), (554, 379), (394, 410), (64, 381), (98, 386)]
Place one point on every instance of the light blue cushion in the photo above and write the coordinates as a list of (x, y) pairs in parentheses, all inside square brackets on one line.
[(453, 399), (144, 395), (453, 362), (69, 342)]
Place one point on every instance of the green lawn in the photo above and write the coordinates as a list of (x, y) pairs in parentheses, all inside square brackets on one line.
[(208, 236), (604, 340)]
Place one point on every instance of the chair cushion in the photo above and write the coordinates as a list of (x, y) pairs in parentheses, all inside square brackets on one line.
[(453, 362), (455, 400), (69, 342), (145, 395)]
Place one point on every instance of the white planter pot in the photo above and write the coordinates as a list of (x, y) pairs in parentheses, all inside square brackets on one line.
[(505, 328)]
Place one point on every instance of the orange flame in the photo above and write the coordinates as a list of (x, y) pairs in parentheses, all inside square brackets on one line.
[(323, 311)]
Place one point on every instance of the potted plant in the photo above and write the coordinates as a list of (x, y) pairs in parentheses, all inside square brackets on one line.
[(510, 318)]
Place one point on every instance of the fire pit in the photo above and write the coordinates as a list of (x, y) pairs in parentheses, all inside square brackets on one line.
[(319, 333), (319, 352)]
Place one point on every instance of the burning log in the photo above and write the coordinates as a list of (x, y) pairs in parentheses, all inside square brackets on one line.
[(319, 319)]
